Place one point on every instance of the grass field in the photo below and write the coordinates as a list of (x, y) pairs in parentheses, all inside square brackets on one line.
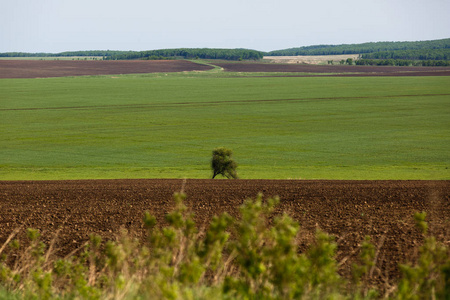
[(166, 125)]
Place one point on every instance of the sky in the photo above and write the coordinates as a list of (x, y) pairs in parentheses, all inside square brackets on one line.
[(61, 25)]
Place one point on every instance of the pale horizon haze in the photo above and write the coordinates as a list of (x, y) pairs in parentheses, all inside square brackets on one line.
[(58, 25)]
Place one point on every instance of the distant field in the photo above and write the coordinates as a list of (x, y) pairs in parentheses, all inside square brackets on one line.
[(218, 68), (329, 70), (54, 58), (165, 126), (310, 59), (54, 68)]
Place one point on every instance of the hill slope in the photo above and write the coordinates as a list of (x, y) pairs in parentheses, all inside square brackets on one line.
[(419, 50), (373, 47)]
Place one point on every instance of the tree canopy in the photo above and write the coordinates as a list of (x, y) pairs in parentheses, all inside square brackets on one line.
[(423, 50), (190, 53), (223, 164)]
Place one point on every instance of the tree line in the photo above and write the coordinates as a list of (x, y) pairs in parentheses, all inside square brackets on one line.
[(430, 53), (102, 53), (179, 53), (192, 53), (421, 54), (373, 47)]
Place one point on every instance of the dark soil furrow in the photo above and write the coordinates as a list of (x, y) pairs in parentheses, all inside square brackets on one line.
[(349, 210)]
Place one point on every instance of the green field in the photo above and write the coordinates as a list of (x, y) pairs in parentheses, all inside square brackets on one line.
[(166, 125)]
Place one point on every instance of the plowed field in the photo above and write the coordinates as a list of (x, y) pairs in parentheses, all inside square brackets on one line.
[(347, 209), (61, 68), (337, 70)]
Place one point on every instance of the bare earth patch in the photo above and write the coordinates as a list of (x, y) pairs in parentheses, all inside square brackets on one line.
[(349, 210), (333, 70), (61, 68)]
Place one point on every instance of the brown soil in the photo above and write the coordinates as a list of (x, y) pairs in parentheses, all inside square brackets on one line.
[(349, 210), (335, 70), (61, 68)]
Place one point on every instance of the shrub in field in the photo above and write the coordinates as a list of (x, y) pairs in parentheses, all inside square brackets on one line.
[(267, 259), (252, 257), (222, 163), (430, 277)]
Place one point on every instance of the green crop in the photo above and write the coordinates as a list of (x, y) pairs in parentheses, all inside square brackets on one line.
[(165, 125)]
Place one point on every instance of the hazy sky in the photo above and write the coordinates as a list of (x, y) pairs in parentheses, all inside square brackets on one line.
[(63, 25)]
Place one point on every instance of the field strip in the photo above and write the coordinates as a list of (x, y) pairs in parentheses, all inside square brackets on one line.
[(206, 103)]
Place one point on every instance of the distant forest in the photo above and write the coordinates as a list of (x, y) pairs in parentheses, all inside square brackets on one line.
[(191, 53), (365, 48), (98, 53), (181, 53), (422, 53), (432, 53)]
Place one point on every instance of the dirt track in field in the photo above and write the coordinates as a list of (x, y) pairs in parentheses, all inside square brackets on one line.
[(347, 209), (61, 68), (335, 70)]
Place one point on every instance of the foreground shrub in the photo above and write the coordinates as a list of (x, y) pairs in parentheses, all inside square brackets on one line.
[(430, 277), (245, 258)]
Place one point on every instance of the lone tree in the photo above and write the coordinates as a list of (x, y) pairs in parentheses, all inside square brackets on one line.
[(223, 164)]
